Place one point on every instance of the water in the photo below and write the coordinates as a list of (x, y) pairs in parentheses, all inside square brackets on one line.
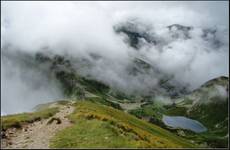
[(184, 123)]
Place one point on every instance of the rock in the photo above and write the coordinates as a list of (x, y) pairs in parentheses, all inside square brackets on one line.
[(58, 120), (10, 132), (10, 143), (3, 134), (181, 133)]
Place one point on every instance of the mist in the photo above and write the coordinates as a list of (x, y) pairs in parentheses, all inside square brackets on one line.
[(80, 30), (24, 87)]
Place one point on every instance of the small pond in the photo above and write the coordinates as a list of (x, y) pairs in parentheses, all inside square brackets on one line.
[(183, 123)]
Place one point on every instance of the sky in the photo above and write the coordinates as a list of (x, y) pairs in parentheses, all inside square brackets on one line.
[(80, 29)]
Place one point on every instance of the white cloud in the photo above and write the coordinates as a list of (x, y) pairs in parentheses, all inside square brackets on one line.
[(81, 28)]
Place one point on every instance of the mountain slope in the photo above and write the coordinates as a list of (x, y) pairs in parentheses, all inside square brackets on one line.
[(92, 124), (113, 128), (99, 110), (36, 134), (207, 104)]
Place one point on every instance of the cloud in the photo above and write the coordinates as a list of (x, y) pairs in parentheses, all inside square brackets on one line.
[(23, 86), (81, 30)]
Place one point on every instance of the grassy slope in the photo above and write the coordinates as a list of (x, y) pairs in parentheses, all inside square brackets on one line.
[(152, 109), (213, 113), (209, 115), (98, 125), (18, 120), (217, 115), (43, 111)]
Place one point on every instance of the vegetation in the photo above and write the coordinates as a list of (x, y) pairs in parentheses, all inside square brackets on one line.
[(99, 122), (45, 106), (213, 115), (149, 110), (212, 112), (18, 120), (113, 128), (104, 101), (176, 111)]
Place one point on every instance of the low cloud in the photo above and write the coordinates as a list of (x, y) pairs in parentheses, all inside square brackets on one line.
[(86, 31)]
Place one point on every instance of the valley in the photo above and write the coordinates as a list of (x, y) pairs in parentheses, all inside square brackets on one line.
[(118, 74), (115, 123)]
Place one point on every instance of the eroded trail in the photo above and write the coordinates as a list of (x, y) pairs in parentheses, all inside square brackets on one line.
[(39, 133)]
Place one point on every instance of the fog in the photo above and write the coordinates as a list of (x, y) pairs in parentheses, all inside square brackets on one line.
[(82, 29)]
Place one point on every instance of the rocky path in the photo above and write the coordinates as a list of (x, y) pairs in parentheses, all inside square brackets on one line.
[(38, 134)]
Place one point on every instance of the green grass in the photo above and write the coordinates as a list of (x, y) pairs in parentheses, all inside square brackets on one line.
[(176, 111), (92, 134), (93, 85), (97, 125), (41, 107), (209, 114), (212, 139), (45, 106), (17, 120), (151, 110), (103, 100)]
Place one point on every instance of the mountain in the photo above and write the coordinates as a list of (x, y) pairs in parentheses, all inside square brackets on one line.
[(207, 104), (93, 114), (104, 112), (92, 125), (135, 31), (179, 31)]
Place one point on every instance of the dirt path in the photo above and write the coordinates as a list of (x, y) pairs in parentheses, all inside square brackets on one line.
[(38, 134)]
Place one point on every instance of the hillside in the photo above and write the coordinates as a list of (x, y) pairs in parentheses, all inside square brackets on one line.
[(30, 133), (114, 75), (124, 120), (112, 127), (112, 112), (135, 132), (207, 104), (64, 123)]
